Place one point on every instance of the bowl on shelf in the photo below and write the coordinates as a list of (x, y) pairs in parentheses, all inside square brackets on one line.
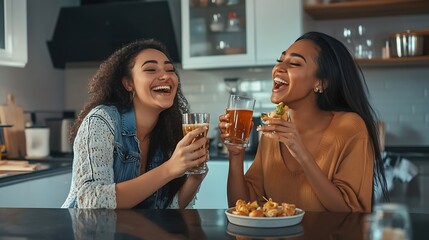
[(406, 44)]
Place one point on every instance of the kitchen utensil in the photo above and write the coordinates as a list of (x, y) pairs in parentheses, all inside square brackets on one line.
[(11, 113), (406, 44)]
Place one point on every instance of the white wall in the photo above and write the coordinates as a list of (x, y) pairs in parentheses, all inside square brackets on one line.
[(37, 86)]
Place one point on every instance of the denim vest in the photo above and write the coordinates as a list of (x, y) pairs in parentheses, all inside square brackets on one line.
[(126, 155)]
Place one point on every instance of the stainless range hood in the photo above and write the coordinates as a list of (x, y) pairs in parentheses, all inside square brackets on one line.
[(90, 33)]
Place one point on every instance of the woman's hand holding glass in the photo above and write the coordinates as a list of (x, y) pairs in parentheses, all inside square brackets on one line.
[(189, 153), (223, 126)]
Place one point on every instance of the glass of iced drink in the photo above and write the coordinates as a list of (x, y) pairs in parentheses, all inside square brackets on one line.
[(240, 112), (190, 122)]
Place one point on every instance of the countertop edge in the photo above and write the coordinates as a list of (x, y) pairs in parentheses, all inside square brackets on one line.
[(56, 168)]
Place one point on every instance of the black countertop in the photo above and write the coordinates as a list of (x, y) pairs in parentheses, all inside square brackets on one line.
[(45, 223)]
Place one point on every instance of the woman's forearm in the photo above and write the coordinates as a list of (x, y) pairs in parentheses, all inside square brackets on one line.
[(134, 191), (189, 189), (236, 186), (328, 194)]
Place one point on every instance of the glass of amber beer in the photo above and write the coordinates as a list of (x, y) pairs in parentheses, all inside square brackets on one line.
[(192, 121), (240, 112)]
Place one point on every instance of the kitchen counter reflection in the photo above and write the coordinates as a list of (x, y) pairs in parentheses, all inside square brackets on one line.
[(31, 223)]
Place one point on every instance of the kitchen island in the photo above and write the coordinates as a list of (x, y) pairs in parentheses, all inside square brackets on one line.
[(30, 223)]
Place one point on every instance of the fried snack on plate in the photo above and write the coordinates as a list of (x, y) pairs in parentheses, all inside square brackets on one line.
[(273, 212), (253, 205), (269, 209), (241, 208), (257, 213), (288, 209), (270, 205)]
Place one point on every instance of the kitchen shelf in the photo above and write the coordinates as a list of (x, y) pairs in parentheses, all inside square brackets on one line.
[(367, 8), (395, 62)]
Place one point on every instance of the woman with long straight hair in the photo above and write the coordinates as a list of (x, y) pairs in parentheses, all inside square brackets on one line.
[(323, 154)]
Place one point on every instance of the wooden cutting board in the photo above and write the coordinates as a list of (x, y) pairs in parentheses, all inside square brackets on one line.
[(22, 166), (11, 113)]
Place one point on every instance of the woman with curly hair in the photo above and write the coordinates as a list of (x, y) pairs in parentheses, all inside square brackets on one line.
[(129, 149)]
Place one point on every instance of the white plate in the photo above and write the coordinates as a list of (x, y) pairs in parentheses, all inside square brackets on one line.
[(256, 233), (265, 222)]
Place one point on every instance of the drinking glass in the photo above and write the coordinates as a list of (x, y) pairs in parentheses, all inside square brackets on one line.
[(390, 221), (240, 112), (190, 122)]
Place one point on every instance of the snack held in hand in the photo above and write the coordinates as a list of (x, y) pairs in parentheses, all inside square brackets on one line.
[(269, 209), (277, 113)]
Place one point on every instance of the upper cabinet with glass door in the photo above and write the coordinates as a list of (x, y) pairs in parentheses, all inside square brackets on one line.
[(13, 33), (237, 33)]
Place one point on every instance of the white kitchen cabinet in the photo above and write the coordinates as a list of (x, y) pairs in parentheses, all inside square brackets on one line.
[(247, 33), (212, 193), (13, 33)]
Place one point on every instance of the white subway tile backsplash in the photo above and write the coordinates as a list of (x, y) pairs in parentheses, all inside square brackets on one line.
[(193, 88), (421, 108), (392, 108), (414, 118)]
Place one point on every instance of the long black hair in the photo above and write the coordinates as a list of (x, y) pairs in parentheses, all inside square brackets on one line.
[(346, 90), (106, 88)]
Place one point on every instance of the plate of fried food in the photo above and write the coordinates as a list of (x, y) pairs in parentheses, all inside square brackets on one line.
[(270, 215)]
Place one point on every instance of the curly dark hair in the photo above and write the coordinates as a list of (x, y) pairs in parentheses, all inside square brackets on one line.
[(106, 88), (346, 91)]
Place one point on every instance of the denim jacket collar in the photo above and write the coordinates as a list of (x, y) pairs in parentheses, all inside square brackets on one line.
[(128, 123)]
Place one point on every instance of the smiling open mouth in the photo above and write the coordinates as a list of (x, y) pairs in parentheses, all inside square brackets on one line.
[(279, 82), (162, 89)]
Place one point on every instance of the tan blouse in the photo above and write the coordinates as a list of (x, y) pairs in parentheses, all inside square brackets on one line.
[(345, 156)]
